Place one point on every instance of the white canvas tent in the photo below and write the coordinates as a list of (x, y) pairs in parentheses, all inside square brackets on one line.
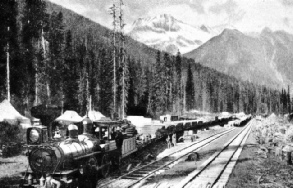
[(10, 114), (94, 115), (69, 116)]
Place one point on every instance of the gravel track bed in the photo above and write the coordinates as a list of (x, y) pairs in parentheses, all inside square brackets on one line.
[(155, 150), (174, 175)]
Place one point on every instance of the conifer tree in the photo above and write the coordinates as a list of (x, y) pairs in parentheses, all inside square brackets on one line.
[(56, 56), (105, 83), (70, 75), (178, 83), (33, 19), (169, 81), (10, 56), (189, 89)]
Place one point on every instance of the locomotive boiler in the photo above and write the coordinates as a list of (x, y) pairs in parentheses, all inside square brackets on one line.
[(66, 158)]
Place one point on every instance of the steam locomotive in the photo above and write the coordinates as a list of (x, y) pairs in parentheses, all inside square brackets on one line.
[(66, 159)]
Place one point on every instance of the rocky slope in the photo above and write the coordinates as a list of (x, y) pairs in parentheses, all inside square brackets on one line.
[(266, 58)]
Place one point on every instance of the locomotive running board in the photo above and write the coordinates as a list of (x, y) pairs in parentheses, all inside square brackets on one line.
[(88, 155)]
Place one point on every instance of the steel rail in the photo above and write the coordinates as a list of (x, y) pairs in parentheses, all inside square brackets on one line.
[(188, 180), (168, 163)]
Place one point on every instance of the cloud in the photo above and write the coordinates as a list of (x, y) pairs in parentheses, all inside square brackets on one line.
[(287, 2), (245, 15), (286, 21), (228, 7)]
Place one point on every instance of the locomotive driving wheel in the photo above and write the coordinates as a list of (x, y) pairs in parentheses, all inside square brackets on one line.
[(106, 164)]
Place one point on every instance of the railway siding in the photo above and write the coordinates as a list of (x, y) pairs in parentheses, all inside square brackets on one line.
[(216, 170), (166, 162)]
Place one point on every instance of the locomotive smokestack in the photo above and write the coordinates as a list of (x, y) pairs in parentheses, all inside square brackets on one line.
[(73, 131), (87, 126)]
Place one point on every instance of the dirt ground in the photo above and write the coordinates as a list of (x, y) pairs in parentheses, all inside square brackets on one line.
[(258, 169), (10, 170)]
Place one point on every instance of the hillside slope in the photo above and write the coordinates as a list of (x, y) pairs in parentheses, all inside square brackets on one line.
[(98, 35), (265, 59)]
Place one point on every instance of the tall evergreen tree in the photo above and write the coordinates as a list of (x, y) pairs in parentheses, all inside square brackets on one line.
[(169, 81), (178, 83), (33, 20), (105, 83), (56, 56), (70, 75), (189, 89), (9, 43)]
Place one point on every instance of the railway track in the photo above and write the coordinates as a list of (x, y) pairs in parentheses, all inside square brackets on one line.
[(138, 175), (216, 170)]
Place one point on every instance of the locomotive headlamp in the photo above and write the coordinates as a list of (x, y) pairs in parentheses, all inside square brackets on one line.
[(34, 135), (37, 135)]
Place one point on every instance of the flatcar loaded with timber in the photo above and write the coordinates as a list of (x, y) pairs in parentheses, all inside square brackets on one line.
[(100, 146)]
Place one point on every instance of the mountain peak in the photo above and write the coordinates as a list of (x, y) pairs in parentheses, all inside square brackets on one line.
[(231, 32), (267, 30), (162, 22), (260, 60), (164, 32)]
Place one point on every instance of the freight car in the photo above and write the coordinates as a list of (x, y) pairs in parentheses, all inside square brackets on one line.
[(99, 147), (180, 126)]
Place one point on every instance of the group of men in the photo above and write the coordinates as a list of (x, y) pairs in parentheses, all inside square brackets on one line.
[(171, 140)]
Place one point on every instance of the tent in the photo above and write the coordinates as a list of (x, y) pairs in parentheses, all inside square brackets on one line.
[(9, 114), (69, 116), (95, 115), (12, 116)]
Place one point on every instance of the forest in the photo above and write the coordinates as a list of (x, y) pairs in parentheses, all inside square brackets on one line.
[(59, 58)]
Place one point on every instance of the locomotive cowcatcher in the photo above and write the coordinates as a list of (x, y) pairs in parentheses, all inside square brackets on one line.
[(80, 157)]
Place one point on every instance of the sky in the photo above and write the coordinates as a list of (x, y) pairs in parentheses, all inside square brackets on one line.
[(244, 15)]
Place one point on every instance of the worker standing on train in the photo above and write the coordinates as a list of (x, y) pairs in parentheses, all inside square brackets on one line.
[(119, 138)]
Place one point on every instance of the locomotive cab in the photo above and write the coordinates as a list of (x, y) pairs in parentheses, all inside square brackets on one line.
[(106, 132)]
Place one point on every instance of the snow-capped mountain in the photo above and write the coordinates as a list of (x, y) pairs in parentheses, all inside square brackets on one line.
[(164, 32)]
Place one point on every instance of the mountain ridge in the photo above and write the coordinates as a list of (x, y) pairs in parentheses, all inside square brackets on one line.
[(264, 59)]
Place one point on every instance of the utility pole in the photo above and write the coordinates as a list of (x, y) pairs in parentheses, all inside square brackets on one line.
[(113, 9), (8, 69)]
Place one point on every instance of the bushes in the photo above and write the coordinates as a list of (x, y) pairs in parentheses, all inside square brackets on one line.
[(9, 132), (9, 139)]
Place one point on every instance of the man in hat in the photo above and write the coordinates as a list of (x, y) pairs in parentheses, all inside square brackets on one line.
[(168, 141), (119, 138), (50, 182), (87, 176)]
